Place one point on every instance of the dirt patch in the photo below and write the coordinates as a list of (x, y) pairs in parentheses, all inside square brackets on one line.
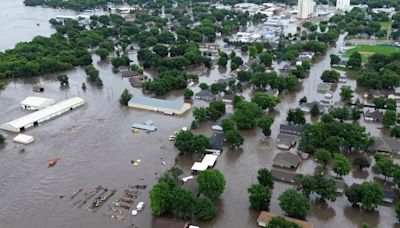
[(369, 53)]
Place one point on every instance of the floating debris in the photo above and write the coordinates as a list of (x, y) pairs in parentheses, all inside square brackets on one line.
[(52, 162)]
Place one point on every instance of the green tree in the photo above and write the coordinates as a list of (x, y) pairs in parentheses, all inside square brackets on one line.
[(280, 222), (259, 197), (372, 195), (182, 203), (296, 116), (384, 165), (315, 110), (222, 61), (211, 183), (228, 124), (203, 86), (340, 113), (252, 51), (265, 101), (188, 93), (234, 138), (125, 97), (354, 60), (306, 183), (395, 131), (265, 123), (161, 50), (187, 143), (204, 209), (331, 76), (266, 58), (323, 156), (325, 188), (264, 177), (355, 114), (246, 114), (63, 79), (361, 162), (341, 166), (398, 211), (346, 93), (160, 198), (354, 194), (294, 204), (389, 118), (200, 114), (102, 52), (335, 59)]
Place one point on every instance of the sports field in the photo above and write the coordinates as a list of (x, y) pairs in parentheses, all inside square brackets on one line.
[(368, 50)]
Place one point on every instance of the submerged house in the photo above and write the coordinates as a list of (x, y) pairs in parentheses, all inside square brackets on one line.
[(265, 217), (205, 95), (386, 145), (283, 175), (291, 129), (286, 160), (285, 141), (374, 116), (159, 105), (216, 142), (36, 103)]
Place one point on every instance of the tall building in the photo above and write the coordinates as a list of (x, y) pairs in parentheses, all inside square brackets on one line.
[(305, 8), (343, 5)]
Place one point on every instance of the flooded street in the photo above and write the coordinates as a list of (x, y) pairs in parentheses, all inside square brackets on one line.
[(95, 146)]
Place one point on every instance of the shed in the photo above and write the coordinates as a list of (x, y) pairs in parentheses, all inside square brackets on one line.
[(217, 141), (287, 160), (36, 103), (264, 218), (24, 139), (144, 127), (291, 129), (285, 141), (388, 195), (35, 118), (209, 160), (282, 175), (205, 95), (199, 166), (170, 223), (158, 105), (375, 116), (340, 186)]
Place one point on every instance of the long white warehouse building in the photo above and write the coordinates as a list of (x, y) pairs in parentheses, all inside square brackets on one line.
[(34, 119)]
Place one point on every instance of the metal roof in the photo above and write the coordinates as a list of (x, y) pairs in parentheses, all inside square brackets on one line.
[(37, 101), (157, 103)]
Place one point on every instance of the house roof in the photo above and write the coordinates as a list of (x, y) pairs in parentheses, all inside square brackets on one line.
[(386, 144), (157, 103), (205, 93), (286, 158), (286, 139), (129, 73), (294, 129), (282, 175), (388, 193), (209, 160), (24, 139), (199, 166), (170, 223), (376, 114), (265, 217), (217, 141), (37, 101)]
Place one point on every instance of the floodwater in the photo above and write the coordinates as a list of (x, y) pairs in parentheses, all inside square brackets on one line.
[(95, 147)]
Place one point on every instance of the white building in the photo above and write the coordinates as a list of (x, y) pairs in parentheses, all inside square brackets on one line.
[(343, 5), (35, 118), (305, 8), (24, 139), (36, 103)]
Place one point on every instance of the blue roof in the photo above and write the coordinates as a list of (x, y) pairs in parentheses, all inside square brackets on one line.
[(157, 103)]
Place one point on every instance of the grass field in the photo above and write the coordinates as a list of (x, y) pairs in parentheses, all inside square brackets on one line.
[(368, 50), (384, 25)]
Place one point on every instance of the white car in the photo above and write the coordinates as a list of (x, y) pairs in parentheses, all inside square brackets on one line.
[(140, 206)]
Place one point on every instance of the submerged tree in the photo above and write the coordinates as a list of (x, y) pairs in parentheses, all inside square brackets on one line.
[(125, 97), (211, 183), (259, 197)]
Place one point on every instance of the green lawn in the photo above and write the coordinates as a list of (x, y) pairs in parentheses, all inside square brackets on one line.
[(368, 50), (385, 25)]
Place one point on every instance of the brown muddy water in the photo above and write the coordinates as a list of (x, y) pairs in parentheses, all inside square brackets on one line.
[(95, 146)]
